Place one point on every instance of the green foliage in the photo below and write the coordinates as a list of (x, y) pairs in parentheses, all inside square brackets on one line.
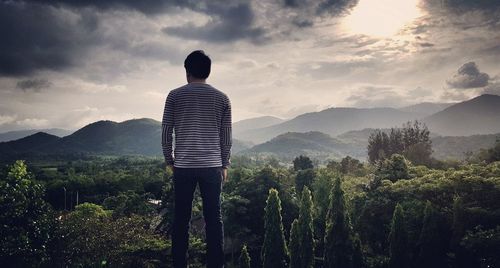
[(339, 237), (412, 141), (321, 187), (349, 165), (490, 155), (304, 177), (128, 203), (274, 250), (26, 219), (294, 245), (432, 251), (302, 162), (398, 241), (122, 242), (244, 260), (483, 245), (393, 169), (306, 239)]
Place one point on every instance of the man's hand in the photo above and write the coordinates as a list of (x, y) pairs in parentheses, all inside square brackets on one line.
[(224, 174)]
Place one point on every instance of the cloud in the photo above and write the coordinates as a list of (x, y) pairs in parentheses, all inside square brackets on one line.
[(468, 76), (369, 96), (493, 88), (33, 84), (335, 7), (461, 6), (36, 37), (229, 23)]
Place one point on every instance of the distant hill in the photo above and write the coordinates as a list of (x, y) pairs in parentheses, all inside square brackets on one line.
[(456, 147), (253, 123), (313, 143), (27, 145), (332, 121), (18, 134), (137, 136), (426, 108), (480, 115)]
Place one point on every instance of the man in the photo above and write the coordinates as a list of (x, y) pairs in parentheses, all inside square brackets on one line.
[(200, 117)]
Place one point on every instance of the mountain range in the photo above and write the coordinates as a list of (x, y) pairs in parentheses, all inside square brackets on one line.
[(18, 134), (331, 133), (480, 115)]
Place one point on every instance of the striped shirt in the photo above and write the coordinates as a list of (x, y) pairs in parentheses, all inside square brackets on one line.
[(196, 127)]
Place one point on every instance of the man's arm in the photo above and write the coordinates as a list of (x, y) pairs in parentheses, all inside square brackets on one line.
[(226, 136), (167, 130)]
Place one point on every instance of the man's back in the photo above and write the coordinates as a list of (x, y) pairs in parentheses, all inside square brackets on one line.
[(200, 116)]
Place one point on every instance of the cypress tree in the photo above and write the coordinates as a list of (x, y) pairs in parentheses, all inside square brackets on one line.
[(338, 238), (274, 251), (244, 258), (358, 260), (458, 223), (431, 253), (294, 246), (398, 240), (306, 229)]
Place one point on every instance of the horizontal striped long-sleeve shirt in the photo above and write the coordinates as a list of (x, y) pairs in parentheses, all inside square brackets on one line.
[(196, 127)]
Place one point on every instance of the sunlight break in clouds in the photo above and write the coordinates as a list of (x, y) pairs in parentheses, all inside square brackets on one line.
[(381, 18)]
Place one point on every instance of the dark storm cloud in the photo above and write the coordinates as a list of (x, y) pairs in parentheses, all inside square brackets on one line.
[(143, 6), (38, 37), (230, 23), (468, 76), (324, 6), (460, 6), (33, 84)]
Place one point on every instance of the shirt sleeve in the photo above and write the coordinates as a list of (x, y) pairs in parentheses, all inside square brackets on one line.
[(167, 129), (226, 135)]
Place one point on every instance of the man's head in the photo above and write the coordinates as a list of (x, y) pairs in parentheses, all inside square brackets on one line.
[(197, 65)]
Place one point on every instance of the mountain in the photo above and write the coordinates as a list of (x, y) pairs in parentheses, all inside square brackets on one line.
[(18, 134), (27, 145), (457, 147), (137, 136), (313, 143), (253, 123), (426, 108), (332, 121), (480, 115)]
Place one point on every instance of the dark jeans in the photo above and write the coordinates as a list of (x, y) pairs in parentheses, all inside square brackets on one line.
[(210, 182)]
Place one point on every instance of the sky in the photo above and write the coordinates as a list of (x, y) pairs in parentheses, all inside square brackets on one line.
[(65, 64)]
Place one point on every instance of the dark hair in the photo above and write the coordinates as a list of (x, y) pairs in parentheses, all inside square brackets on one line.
[(198, 64)]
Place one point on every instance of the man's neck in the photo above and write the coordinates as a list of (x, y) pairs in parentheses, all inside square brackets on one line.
[(202, 81)]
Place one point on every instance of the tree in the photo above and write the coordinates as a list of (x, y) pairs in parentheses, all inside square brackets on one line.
[(306, 229), (322, 187), (358, 260), (412, 140), (304, 178), (398, 240), (274, 251), (244, 258), (431, 249), (378, 146), (302, 162), (338, 238), (25, 219), (393, 169), (350, 165), (294, 245)]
